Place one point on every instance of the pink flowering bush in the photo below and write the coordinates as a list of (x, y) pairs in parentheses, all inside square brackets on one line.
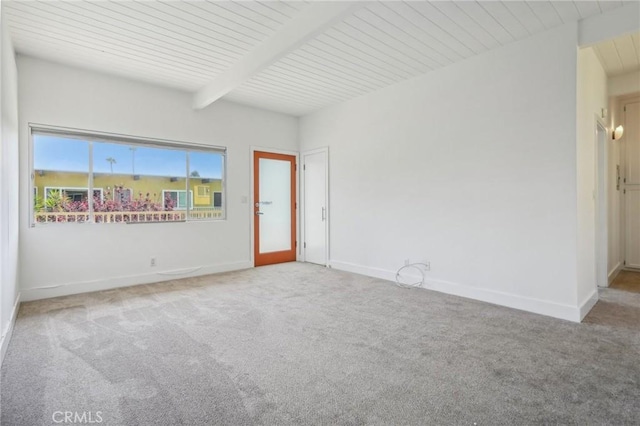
[(116, 202)]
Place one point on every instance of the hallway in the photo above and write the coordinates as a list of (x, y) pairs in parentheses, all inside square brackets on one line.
[(627, 281)]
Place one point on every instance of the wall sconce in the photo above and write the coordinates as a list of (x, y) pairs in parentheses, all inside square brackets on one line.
[(618, 132)]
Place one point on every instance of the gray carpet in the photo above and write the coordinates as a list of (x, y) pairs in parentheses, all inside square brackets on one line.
[(301, 344)]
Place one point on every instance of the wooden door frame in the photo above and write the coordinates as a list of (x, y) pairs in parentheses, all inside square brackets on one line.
[(296, 154), (302, 203)]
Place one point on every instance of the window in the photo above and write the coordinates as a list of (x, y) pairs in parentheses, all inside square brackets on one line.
[(203, 195), (73, 194), (131, 179), (177, 199), (122, 195), (217, 200)]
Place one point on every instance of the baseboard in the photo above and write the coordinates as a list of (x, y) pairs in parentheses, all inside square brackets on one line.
[(588, 304), (614, 273), (537, 306), (29, 294), (8, 330)]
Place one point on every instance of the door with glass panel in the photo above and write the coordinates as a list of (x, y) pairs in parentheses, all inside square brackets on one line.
[(274, 208)]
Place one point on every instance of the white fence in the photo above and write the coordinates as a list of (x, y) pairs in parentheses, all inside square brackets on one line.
[(129, 217)]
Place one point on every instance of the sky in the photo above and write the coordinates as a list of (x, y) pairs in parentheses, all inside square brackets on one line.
[(72, 155)]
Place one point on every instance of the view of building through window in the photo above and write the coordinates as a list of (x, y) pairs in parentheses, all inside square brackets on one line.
[(129, 182)]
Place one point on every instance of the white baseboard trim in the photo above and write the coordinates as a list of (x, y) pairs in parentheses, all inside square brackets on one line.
[(537, 306), (588, 304), (614, 272), (37, 293), (8, 330)]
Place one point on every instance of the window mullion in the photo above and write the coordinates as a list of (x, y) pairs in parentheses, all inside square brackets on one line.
[(187, 200), (90, 191)]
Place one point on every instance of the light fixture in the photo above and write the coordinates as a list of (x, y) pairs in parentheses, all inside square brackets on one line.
[(618, 132)]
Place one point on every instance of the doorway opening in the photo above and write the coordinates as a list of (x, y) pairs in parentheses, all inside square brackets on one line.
[(609, 90), (627, 277)]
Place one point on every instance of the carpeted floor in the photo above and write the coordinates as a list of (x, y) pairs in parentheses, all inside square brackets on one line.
[(301, 344), (628, 281)]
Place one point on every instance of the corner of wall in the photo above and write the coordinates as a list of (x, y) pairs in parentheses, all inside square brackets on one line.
[(9, 295), (5, 338), (588, 304)]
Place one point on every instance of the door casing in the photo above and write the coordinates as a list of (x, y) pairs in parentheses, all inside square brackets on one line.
[(253, 149), (326, 196), (601, 197)]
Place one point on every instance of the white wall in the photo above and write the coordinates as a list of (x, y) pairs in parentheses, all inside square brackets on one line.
[(84, 257), (472, 167), (591, 100), (8, 189), (624, 84)]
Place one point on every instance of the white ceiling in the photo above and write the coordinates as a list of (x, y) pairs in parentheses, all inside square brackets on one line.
[(177, 44), (186, 44), (620, 55)]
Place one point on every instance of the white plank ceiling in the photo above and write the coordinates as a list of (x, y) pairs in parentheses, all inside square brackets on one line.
[(620, 55), (181, 44), (186, 44)]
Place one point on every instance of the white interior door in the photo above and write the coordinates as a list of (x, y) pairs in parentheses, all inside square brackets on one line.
[(631, 140), (315, 207)]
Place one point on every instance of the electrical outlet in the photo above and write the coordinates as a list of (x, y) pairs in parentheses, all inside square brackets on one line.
[(153, 261)]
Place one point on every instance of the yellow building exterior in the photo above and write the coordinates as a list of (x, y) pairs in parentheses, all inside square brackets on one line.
[(203, 193), (204, 199)]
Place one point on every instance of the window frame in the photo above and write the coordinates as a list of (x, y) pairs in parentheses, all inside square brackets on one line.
[(130, 190), (207, 191), (213, 199), (164, 191), (91, 136), (71, 188)]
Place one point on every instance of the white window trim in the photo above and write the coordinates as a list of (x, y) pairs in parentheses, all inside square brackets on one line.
[(113, 193), (179, 190), (203, 186), (72, 188)]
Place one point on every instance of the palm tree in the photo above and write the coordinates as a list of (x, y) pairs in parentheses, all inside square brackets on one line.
[(111, 161)]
